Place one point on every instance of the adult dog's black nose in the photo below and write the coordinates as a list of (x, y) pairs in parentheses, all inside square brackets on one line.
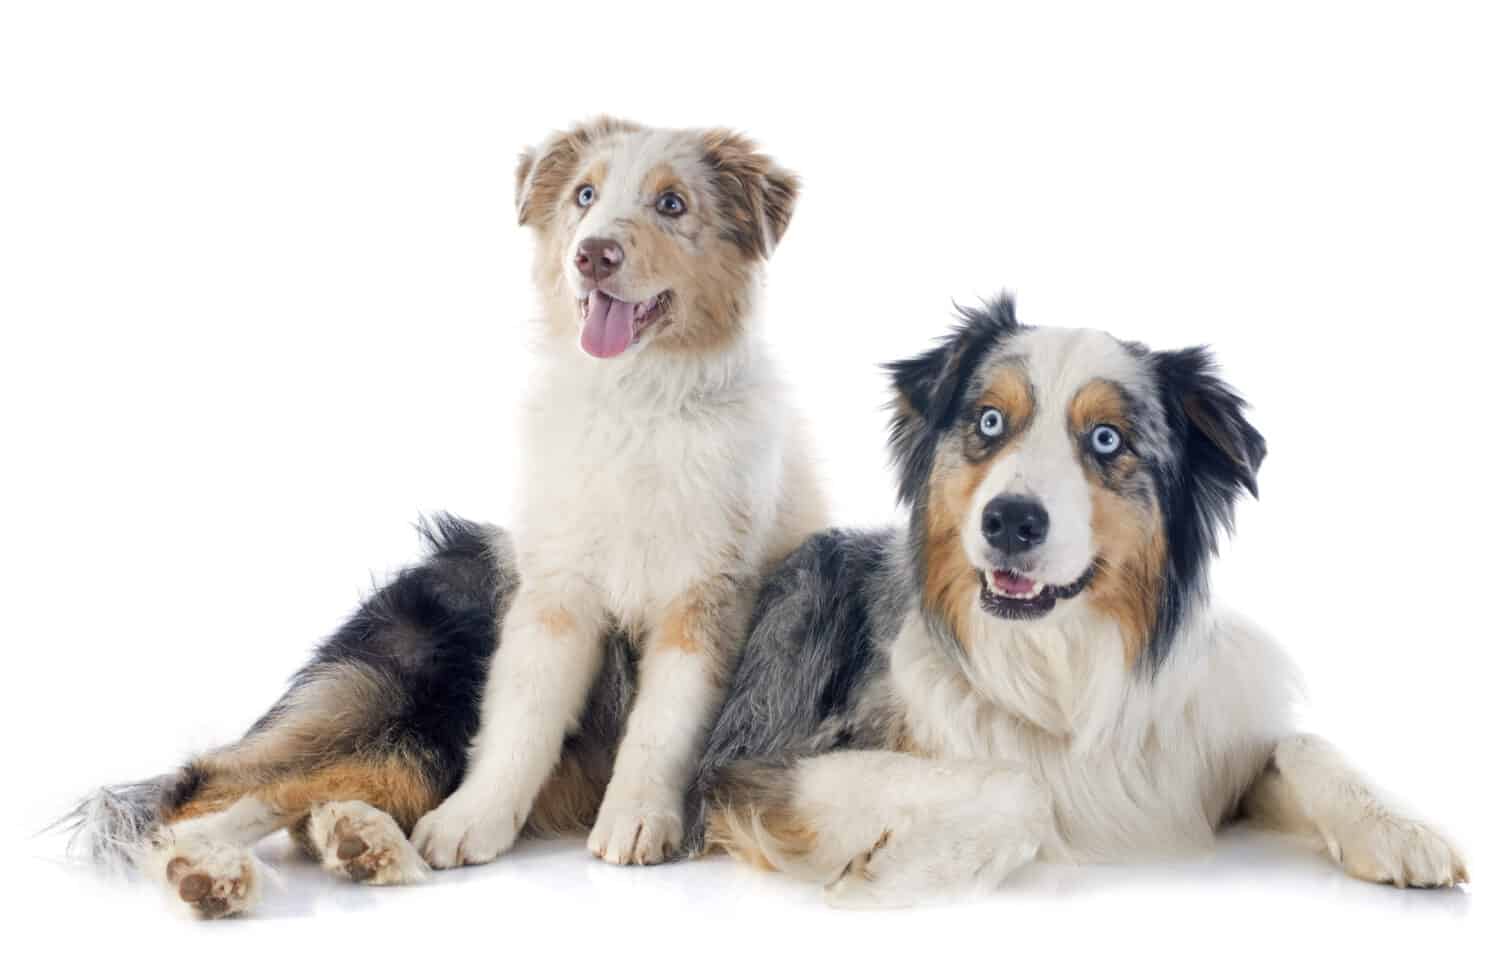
[(598, 258), (1014, 524)]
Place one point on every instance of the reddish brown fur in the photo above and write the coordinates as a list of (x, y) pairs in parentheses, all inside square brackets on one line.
[(569, 802), (754, 818), (1128, 533), (392, 784), (949, 581), (755, 196), (540, 181), (738, 204)]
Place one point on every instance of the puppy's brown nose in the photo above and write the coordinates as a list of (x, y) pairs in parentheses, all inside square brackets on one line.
[(599, 258)]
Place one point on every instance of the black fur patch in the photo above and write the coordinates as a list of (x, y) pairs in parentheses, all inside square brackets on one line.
[(1215, 456), (929, 389)]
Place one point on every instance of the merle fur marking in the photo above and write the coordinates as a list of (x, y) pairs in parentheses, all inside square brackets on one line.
[(810, 678)]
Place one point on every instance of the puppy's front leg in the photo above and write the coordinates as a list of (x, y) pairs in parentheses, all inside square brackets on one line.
[(1307, 788), (682, 680), (551, 645)]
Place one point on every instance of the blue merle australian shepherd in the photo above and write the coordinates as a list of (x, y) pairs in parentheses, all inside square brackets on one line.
[(1033, 668)]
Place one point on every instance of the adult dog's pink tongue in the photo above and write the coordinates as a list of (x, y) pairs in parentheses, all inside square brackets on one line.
[(609, 327), (1013, 585)]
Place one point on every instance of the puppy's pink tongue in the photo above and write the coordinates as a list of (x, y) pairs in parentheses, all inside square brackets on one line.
[(609, 327)]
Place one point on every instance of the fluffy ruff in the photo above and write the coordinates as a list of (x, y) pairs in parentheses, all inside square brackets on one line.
[(907, 720)]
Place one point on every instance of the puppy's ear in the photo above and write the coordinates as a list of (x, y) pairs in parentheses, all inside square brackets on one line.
[(929, 388), (1220, 446), (755, 196), (547, 170)]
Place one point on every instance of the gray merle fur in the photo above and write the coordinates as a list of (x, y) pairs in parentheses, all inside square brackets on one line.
[(812, 677)]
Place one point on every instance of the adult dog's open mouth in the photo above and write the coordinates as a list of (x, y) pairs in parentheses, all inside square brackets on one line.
[(1011, 595), (611, 325)]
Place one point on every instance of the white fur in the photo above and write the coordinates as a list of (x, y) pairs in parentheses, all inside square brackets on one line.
[(1044, 463), (388, 859), (1134, 767), (1044, 751), (1040, 739), (648, 477)]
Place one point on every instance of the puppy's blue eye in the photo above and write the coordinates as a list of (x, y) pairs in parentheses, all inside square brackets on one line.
[(1105, 440), (585, 196), (671, 204), (991, 422)]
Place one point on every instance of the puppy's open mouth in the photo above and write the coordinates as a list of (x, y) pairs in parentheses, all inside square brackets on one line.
[(1008, 594), (611, 326)]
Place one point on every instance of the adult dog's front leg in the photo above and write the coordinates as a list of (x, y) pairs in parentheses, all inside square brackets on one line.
[(551, 644), (883, 828), (681, 683), (1308, 789)]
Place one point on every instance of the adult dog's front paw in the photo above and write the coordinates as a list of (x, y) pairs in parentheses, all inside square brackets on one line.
[(465, 831), (1390, 849), (636, 833)]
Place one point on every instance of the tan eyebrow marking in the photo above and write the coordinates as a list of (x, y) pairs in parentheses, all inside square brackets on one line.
[(1099, 401)]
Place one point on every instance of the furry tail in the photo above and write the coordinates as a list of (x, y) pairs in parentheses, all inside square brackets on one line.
[(113, 826)]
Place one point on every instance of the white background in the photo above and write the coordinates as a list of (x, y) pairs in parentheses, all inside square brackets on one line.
[(263, 302)]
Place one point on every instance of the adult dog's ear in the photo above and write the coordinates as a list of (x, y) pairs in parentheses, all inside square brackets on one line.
[(755, 196), (929, 388), (1208, 417), (546, 171)]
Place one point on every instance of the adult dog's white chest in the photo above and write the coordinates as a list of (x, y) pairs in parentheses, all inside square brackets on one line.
[(1133, 762), (643, 481)]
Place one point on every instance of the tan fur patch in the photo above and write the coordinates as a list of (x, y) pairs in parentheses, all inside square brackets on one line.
[(542, 177), (710, 284), (557, 621), (701, 622), (661, 178), (687, 625), (754, 818), (950, 583), (1128, 534), (392, 784), (1099, 401), (569, 802), (738, 205), (949, 578), (755, 196), (1132, 555), (1010, 392)]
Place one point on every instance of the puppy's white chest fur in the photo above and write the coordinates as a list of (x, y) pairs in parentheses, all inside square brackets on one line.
[(643, 479)]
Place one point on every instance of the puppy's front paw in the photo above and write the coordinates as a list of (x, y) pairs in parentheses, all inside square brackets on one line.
[(636, 833), (1383, 848), (464, 831), (360, 842)]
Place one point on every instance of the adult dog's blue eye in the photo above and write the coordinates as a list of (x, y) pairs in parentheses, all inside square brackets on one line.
[(671, 204), (1105, 440), (585, 196), (991, 422)]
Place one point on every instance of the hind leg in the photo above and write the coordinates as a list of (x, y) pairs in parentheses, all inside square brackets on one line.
[(354, 840), (206, 860), (351, 813), (1307, 789)]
